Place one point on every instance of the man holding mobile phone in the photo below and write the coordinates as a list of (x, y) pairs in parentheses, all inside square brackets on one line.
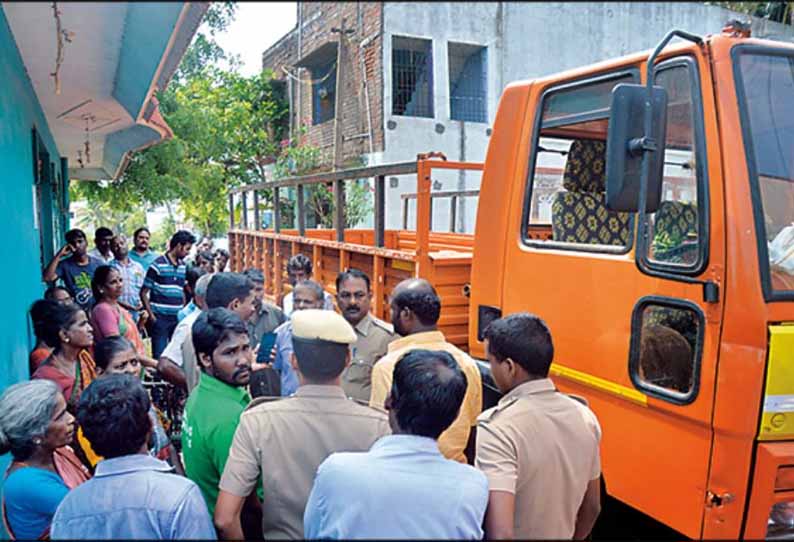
[(267, 316), (73, 265)]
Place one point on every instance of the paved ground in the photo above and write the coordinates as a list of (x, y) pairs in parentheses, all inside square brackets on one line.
[(620, 522)]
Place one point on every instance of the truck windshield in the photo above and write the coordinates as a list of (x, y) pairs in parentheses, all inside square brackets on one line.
[(766, 94)]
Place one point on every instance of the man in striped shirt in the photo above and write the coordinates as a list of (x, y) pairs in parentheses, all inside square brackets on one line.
[(162, 292)]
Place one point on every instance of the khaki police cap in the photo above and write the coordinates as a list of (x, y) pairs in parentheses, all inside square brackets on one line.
[(323, 325)]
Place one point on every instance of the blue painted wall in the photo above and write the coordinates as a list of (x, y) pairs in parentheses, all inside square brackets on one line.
[(20, 114)]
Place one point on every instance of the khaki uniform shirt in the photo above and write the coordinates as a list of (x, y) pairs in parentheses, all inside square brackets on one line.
[(374, 336), (267, 320), (286, 440), (452, 442), (543, 447)]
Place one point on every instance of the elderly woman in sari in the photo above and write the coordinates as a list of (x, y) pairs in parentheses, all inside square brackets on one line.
[(36, 428)]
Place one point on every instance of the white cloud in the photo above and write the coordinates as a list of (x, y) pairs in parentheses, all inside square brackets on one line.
[(257, 26)]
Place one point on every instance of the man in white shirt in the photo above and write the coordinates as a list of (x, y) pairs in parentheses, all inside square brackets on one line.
[(171, 360), (299, 268), (101, 251)]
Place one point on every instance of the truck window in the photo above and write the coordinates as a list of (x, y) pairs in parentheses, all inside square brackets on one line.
[(765, 87), (566, 189), (674, 229), (665, 350)]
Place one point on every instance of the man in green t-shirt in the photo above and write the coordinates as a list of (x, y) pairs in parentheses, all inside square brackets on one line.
[(213, 409)]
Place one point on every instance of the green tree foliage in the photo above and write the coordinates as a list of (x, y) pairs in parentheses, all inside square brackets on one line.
[(103, 213), (781, 12), (227, 129), (297, 160)]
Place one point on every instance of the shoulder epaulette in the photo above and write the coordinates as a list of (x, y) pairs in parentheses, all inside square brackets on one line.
[(261, 400), (366, 404), (492, 413), (383, 325)]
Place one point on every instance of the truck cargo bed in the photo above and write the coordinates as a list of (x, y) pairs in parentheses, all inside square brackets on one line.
[(449, 269)]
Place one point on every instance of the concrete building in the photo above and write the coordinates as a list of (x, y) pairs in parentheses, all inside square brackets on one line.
[(80, 124), (421, 77)]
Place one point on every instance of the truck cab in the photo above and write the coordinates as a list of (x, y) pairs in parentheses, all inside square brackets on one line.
[(673, 323)]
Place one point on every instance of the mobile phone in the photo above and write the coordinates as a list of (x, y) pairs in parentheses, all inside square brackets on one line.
[(265, 346)]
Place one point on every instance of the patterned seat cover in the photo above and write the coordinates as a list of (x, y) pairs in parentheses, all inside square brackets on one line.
[(580, 214), (675, 232)]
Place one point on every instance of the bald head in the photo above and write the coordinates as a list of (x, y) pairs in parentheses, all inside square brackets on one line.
[(419, 286), (415, 307)]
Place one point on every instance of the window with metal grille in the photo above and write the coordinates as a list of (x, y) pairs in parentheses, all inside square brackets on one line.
[(324, 93), (412, 77), (467, 82)]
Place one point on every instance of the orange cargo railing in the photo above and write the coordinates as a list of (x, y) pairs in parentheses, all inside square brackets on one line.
[(387, 256)]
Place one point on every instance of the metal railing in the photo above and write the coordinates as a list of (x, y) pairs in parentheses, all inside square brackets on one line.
[(454, 195), (338, 178), (422, 167)]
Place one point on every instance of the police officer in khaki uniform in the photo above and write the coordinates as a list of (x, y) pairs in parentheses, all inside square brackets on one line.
[(354, 297), (539, 448), (285, 440)]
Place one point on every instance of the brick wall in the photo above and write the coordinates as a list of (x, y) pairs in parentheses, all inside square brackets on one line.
[(281, 54), (365, 18)]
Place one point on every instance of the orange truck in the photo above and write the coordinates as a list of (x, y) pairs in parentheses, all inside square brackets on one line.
[(644, 208)]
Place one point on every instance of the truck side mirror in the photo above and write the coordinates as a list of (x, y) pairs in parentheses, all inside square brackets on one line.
[(627, 142)]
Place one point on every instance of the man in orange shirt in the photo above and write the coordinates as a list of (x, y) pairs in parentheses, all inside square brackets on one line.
[(415, 309)]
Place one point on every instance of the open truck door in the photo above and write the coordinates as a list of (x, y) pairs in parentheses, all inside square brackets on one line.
[(629, 290)]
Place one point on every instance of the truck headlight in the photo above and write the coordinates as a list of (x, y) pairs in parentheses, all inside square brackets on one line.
[(780, 525)]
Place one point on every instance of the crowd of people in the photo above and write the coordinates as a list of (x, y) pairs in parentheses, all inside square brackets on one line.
[(313, 419)]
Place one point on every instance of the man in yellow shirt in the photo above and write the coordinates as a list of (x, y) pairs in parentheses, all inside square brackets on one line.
[(415, 309)]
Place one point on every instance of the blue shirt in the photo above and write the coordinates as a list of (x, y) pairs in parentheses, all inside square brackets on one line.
[(145, 260), (31, 496), (186, 311), (289, 380), (77, 279), (165, 282), (134, 496), (401, 488)]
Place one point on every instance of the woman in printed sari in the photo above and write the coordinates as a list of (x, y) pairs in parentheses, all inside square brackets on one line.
[(116, 355), (66, 329), (108, 317), (36, 428)]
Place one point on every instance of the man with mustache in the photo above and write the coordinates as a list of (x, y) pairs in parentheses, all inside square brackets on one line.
[(354, 297), (140, 252), (212, 412)]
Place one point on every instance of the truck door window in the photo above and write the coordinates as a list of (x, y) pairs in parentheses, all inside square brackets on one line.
[(565, 201), (765, 89), (674, 230), (665, 348)]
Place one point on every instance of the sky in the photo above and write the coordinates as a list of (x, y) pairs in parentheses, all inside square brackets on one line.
[(257, 26)]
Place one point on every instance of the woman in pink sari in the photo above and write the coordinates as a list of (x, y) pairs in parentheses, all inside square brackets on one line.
[(108, 317)]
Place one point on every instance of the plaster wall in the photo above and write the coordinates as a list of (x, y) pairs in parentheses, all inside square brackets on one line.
[(524, 40)]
